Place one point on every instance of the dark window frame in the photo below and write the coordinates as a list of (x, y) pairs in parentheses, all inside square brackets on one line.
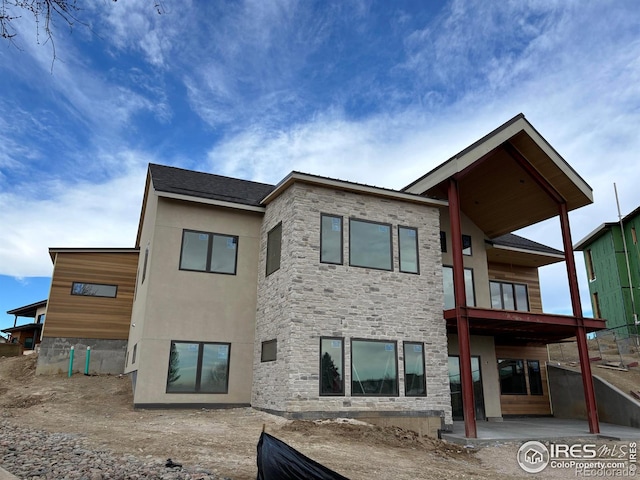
[(424, 369), (415, 230), (270, 266), (209, 259), (73, 284), (513, 292), (443, 241), (539, 379), (373, 222), (524, 376), (468, 250), (397, 380), (263, 357), (466, 290), (342, 382), (197, 390), (133, 356), (146, 259), (329, 215)]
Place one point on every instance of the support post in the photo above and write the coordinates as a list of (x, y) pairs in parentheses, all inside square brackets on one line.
[(581, 333), (462, 321)]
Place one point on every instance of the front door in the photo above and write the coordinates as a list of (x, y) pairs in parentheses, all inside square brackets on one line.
[(455, 385)]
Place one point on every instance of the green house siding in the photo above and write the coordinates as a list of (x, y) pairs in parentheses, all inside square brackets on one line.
[(611, 282)]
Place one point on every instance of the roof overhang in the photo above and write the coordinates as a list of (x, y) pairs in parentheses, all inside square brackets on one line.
[(526, 328), (297, 177), (22, 328), (55, 250), (210, 201), (28, 310), (520, 256), (497, 189)]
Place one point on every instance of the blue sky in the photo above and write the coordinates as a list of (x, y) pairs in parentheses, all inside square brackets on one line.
[(372, 92)]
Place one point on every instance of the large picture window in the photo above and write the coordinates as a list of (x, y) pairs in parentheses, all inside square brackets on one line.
[(414, 379), (370, 244), (512, 377), (94, 290), (374, 368), (209, 252), (408, 249), (331, 239), (274, 246), (509, 296), (447, 284), (198, 367), (331, 366)]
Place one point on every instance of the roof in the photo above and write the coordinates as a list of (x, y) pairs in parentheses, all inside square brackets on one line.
[(54, 250), (516, 250), (28, 310), (28, 326), (328, 182), (507, 180), (602, 229), (207, 185)]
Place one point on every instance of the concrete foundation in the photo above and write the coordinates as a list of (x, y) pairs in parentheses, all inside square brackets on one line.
[(107, 356)]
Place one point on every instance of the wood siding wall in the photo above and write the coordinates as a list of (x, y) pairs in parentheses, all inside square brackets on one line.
[(526, 404), (524, 275), (77, 316)]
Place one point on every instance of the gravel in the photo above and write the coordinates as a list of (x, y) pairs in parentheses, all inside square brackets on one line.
[(30, 454)]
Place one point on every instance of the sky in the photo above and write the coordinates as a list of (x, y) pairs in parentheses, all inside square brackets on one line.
[(373, 92)]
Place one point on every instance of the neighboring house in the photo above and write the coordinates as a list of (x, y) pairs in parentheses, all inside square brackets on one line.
[(89, 305), (320, 297), (612, 296), (28, 334)]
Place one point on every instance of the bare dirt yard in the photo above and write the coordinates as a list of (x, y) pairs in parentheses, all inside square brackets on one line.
[(99, 409)]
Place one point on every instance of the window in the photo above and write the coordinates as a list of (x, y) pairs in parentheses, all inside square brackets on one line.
[(535, 379), (269, 351), (590, 271), (509, 296), (408, 249), (94, 290), (447, 281), (512, 377), (208, 252), (466, 244), (374, 368), (414, 380), (274, 246), (146, 260), (41, 318), (596, 306), (331, 366), (634, 236), (443, 242), (198, 367), (133, 355), (370, 244), (331, 239)]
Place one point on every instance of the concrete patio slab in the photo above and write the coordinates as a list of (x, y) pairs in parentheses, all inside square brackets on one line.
[(541, 429)]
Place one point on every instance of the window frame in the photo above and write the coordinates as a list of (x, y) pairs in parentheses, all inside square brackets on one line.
[(539, 375), (270, 266), (524, 376), (263, 357), (115, 294), (417, 247), (372, 222), (342, 380), (341, 218), (591, 273), (210, 252), (513, 286), (146, 260), (467, 291), (468, 251), (198, 379), (424, 369), (443, 241), (397, 379)]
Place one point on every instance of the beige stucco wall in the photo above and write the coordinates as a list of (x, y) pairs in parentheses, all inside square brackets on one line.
[(484, 347), (477, 260), (196, 306)]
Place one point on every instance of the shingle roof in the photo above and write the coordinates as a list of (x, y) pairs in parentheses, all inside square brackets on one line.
[(208, 185), (516, 241)]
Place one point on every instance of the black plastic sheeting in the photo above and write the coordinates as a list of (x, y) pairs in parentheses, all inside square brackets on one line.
[(279, 461)]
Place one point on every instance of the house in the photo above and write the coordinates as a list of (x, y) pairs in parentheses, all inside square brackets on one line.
[(612, 261), (320, 297), (28, 334), (89, 306)]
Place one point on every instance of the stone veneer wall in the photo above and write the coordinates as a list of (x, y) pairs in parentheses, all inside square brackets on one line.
[(305, 300)]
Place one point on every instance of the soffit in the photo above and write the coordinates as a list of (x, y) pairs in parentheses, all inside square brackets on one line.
[(496, 192)]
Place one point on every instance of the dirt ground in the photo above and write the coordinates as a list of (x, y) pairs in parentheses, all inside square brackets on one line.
[(99, 408)]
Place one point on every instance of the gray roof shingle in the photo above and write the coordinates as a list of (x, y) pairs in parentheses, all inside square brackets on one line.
[(516, 241), (208, 185)]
